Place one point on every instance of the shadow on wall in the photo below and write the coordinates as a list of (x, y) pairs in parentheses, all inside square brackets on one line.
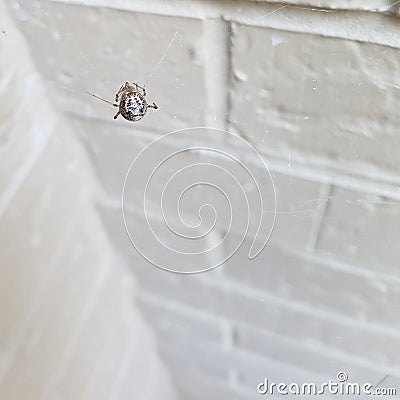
[(68, 324)]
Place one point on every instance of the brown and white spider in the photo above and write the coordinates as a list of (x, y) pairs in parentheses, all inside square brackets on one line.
[(131, 101)]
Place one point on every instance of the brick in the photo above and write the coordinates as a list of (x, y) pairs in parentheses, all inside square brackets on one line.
[(292, 278), (321, 99), (315, 101), (299, 202), (43, 344), (249, 367), (99, 350), (251, 373), (197, 386), (308, 363), (360, 229), (352, 308), (113, 149), (219, 365), (286, 360), (34, 226), (113, 343), (373, 5), (105, 59), (169, 322), (143, 271), (299, 205), (284, 276), (288, 319), (321, 331), (23, 136), (157, 248), (206, 359)]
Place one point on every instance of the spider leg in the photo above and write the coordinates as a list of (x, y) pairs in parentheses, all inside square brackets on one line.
[(116, 115), (154, 105), (140, 87), (121, 89)]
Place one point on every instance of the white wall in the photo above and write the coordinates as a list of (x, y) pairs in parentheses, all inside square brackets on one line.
[(313, 87), (68, 326)]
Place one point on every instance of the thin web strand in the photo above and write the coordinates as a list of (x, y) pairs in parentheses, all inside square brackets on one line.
[(97, 97), (161, 59)]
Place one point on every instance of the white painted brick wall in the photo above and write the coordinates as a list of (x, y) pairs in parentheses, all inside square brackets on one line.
[(312, 85), (342, 105), (355, 223), (68, 328)]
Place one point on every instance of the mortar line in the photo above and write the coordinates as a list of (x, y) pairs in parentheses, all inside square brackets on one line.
[(378, 185), (216, 71), (293, 18), (319, 258), (322, 349), (315, 231), (304, 308)]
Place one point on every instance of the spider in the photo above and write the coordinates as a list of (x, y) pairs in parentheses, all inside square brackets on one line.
[(131, 101)]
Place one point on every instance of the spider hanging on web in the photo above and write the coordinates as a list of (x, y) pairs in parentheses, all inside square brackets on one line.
[(131, 98), (131, 102)]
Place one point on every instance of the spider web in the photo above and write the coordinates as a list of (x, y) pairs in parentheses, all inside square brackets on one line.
[(152, 75)]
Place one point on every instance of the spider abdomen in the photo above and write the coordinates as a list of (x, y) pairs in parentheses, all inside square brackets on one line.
[(133, 106)]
